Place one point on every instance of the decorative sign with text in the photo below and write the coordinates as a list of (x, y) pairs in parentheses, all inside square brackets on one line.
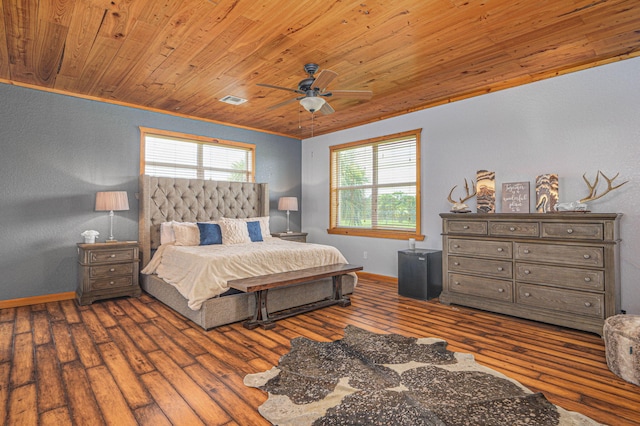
[(515, 197)]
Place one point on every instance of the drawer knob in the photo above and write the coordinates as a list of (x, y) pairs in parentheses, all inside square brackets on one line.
[(569, 231), (456, 246), (500, 249), (527, 272), (456, 263), (500, 269), (512, 229), (457, 282), (112, 282), (587, 279), (112, 270), (526, 251), (501, 290), (113, 255), (527, 294), (465, 227), (587, 256), (587, 304)]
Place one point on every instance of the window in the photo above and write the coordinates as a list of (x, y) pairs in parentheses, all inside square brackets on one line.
[(375, 187), (172, 154)]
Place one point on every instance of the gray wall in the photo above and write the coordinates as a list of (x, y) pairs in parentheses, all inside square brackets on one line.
[(573, 124), (57, 151)]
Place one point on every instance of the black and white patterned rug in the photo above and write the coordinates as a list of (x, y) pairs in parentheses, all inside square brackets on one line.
[(374, 379)]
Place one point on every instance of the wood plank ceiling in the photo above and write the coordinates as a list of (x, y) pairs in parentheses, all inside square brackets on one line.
[(183, 56)]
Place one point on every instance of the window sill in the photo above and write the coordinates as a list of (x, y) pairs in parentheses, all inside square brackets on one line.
[(376, 233)]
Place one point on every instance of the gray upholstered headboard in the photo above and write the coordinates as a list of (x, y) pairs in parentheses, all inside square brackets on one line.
[(192, 200)]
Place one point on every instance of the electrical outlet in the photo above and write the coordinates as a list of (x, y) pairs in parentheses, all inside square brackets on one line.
[(364, 255)]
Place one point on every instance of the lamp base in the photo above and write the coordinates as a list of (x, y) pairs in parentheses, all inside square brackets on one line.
[(111, 241)]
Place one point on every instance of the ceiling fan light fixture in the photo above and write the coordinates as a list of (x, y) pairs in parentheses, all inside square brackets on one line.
[(312, 103)]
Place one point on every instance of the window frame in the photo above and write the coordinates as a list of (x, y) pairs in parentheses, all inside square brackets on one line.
[(333, 192), (200, 140)]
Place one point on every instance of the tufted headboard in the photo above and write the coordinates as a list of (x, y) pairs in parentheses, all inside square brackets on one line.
[(192, 200)]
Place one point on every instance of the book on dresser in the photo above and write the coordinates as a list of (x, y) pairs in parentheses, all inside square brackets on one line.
[(558, 268)]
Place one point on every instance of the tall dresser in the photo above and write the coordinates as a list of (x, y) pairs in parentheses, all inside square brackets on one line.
[(558, 268)]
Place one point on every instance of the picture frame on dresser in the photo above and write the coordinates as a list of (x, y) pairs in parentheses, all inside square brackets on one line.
[(557, 268)]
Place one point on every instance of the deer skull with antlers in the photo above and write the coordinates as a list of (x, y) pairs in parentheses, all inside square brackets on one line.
[(593, 193), (460, 206)]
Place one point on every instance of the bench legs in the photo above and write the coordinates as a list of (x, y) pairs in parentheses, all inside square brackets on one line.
[(262, 318)]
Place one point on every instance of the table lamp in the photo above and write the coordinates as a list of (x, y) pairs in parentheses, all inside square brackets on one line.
[(288, 204), (111, 201)]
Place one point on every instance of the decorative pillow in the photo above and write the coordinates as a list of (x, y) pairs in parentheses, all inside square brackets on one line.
[(254, 231), (264, 224), (210, 233), (187, 234), (234, 231), (166, 232)]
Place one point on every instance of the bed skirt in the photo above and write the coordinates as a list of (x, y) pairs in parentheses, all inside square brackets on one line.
[(237, 307)]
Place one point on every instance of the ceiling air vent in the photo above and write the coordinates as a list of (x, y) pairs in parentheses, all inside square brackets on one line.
[(233, 100)]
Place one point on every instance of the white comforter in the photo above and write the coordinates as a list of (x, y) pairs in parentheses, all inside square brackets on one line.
[(202, 272)]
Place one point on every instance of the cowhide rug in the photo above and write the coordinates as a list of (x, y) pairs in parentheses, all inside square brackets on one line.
[(373, 379)]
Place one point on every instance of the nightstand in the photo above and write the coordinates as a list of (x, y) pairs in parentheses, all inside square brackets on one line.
[(299, 237), (107, 270)]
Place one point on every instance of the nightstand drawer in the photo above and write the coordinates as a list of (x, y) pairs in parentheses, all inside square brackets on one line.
[(106, 283), (113, 270), (115, 255)]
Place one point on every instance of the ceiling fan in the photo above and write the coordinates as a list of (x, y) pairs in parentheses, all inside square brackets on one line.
[(314, 90)]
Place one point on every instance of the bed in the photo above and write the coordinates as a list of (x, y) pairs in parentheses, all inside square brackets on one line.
[(164, 200)]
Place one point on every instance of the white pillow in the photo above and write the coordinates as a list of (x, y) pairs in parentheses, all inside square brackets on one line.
[(167, 235), (187, 234), (234, 231), (264, 224)]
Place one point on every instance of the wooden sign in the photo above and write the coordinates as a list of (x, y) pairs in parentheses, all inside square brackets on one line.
[(515, 197)]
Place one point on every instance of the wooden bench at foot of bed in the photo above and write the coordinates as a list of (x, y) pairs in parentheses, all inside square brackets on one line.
[(260, 286)]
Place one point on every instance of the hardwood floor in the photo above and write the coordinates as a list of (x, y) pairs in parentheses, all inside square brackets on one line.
[(134, 361)]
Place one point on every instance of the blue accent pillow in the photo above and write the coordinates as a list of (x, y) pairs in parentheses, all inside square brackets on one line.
[(254, 231), (210, 233)]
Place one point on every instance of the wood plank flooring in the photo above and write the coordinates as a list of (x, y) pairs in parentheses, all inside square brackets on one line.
[(133, 361)]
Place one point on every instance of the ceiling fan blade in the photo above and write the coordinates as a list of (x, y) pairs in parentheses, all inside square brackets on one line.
[(281, 104), (280, 88), (355, 94), (327, 109), (323, 79)]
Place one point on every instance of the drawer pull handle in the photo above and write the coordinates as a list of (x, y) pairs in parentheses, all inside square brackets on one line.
[(527, 272), (587, 256), (587, 279), (456, 263), (500, 249), (569, 231), (501, 290), (113, 255), (112, 282), (456, 246), (527, 294), (457, 282), (512, 229), (500, 269), (587, 304), (465, 227), (526, 251)]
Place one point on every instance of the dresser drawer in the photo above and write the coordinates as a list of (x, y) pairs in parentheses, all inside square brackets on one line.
[(566, 301), (466, 227), (483, 287), (495, 268), (115, 255), (580, 279), (560, 254), (111, 270), (583, 231), (500, 249), (111, 283), (514, 229)]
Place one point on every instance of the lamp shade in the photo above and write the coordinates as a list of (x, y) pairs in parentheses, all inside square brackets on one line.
[(288, 203), (112, 201), (312, 103)]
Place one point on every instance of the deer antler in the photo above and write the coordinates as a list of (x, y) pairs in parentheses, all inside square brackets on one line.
[(593, 187), (466, 187)]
